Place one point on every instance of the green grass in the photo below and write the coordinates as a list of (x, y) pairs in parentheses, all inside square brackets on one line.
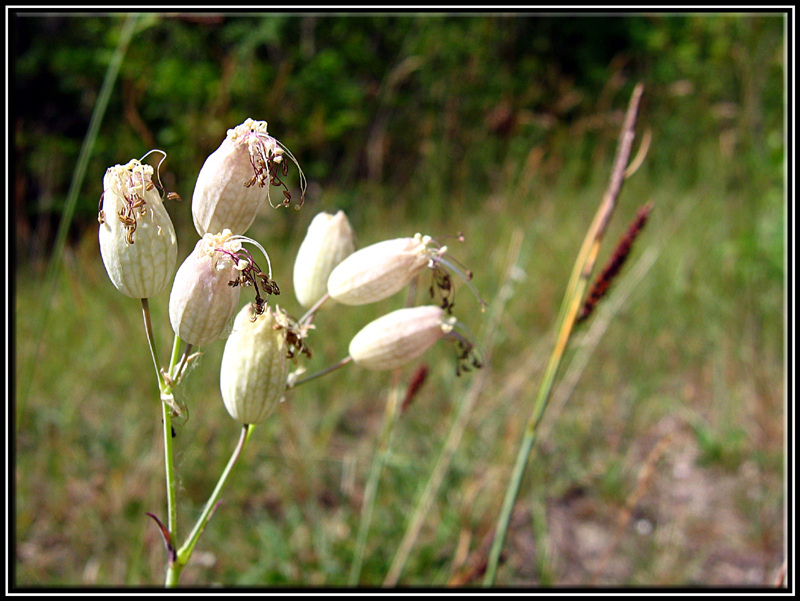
[(693, 358)]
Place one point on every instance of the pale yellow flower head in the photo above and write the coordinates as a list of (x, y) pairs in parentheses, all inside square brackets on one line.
[(255, 366), (236, 179), (137, 238), (380, 270), (328, 241), (205, 293), (401, 336)]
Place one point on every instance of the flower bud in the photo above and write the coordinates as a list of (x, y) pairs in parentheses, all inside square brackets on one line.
[(236, 179), (329, 240), (378, 271), (395, 339), (206, 290), (137, 239), (255, 365)]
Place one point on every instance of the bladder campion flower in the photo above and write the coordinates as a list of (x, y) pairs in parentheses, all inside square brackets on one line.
[(256, 362), (380, 270), (137, 238), (206, 289), (399, 337), (236, 179), (329, 240)]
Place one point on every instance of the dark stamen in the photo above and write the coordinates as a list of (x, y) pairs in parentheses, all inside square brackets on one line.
[(293, 336), (467, 356), (251, 276)]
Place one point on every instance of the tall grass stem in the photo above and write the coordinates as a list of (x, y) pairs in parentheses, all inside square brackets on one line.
[(569, 310), (54, 266), (371, 489)]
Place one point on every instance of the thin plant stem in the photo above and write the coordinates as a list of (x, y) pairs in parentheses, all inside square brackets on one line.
[(601, 321), (588, 344), (310, 313), (182, 366), (569, 310), (169, 465), (169, 471), (165, 393), (173, 359), (185, 552), (148, 329), (324, 372), (504, 294), (371, 489)]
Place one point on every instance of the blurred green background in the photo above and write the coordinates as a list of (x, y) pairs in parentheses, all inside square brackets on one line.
[(663, 456)]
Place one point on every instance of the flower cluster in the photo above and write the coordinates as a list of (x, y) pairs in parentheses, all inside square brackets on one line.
[(139, 248), (379, 271), (375, 273)]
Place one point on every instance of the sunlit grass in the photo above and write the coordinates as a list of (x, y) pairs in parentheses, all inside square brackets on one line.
[(693, 358)]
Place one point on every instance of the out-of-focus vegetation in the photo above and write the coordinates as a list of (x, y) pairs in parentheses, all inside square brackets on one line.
[(429, 105), (664, 466)]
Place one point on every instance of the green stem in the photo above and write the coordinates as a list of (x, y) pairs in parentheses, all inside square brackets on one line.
[(165, 392), (151, 341), (310, 313), (325, 371), (184, 360), (569, 310), (185, 552), (169, 466), (525, 449), (371, 489)]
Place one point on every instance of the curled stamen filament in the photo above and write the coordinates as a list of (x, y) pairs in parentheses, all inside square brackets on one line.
[(158, 167), (469, 357), (438, 256), (240, 238), (466, 279), (303, 181)]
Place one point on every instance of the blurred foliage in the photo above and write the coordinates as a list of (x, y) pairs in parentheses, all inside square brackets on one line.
[(433, 105)]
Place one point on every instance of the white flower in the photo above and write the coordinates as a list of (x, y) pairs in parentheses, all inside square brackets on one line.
[(236, 179), (379, 270), (255, 366), (329, 239), (137, 238), (395, 339), (206, 289)]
